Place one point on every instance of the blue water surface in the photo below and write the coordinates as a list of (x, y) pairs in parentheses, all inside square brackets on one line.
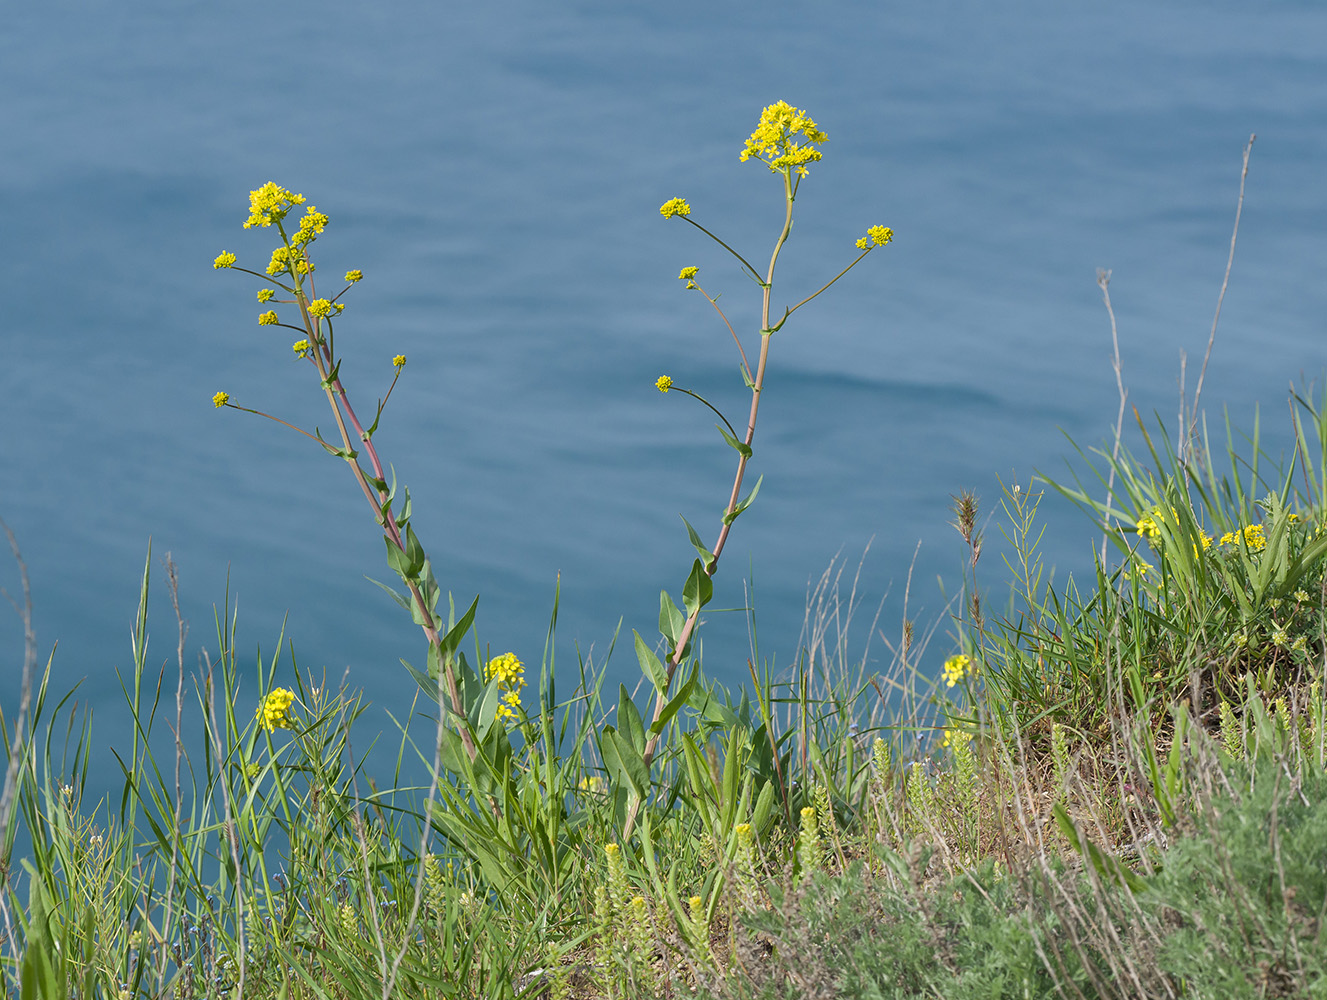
[(496, 171)]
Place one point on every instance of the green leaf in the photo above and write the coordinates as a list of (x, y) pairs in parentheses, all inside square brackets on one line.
[(671, 620), (698, 590), (729, 516), (676, 702), (706, 556), (456, 633), (650, 665), (764, 802), (628, 719), (742, 449), (1108, 866), (626, 764)]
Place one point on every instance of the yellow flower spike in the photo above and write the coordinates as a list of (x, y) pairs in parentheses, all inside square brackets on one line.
[(301, 348), (265, 294), (226, 259), (663, 383), (399, 361), (687, 273), (775, 142), (220, 399), (674, 206), (268, 318), (354, 276)]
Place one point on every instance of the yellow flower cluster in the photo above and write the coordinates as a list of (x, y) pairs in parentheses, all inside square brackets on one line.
[(301, 348), (399, 361), (775, 139), (265, 294), (674, 206), (876, 236), (268, 318), (220, 399), (354, 276), (1254, 538), (310, 227), (270, 204), (274, 712), (957, 667), (226, 259), (663, 383), (323, 307), (509, 672), (687, 273), (1142, 566), (1147, 524)]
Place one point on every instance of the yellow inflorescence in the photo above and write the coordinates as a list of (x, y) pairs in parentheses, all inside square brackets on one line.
[(876, 236), (1254, 538), (687, 273), (226, 259), (775, 140), (957, 667), (509, 673), (354, 276), (270, 204), (221, 399), (301, 348), (399, 361), (265, 294), (274, 712), (674, 206), (663, 383)]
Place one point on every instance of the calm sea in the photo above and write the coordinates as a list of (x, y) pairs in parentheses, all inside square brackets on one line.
[(496, 171)]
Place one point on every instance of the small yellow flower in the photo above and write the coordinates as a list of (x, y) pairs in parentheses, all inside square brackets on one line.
[(274, 712), (663, 383), (674, 206), (957, 667), (270, 204), (354, 276), (399, 361), (864, 243), (301, 348), (320, 307), (268, 318), (509, 673), (1301, 596), (1254, 539), (775, 139), (593, 784), (880, 235), (310, 227), (687, 273), (220, 399), (265, 294), (226, 259), (1142, 566)]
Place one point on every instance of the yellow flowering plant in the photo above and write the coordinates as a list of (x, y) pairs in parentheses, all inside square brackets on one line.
[(787, 141), (291, 269)]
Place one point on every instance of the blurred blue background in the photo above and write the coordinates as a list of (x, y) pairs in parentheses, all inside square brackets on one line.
[(496, 171)]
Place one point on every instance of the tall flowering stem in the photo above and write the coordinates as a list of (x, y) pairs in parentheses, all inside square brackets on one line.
[(786, 141), (292, 271)]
